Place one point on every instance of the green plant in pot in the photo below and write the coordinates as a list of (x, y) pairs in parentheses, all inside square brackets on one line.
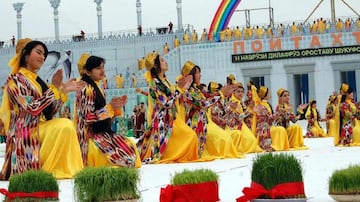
[(32, 186), (344, 184), (196, 185), (275, 177), (107, 184)]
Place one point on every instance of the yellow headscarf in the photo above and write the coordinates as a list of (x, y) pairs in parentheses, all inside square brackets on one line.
[(213, 86), (262, 92), (14, 62), (82, 62), (232, 78), (188, 66), (149, 64), (344, 88)]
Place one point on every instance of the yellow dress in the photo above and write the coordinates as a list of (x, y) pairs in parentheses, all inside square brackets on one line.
[(183, 144), (356, 134), (279, 138), (332, 128), (58, 136), (219, 142), (244, 140), (296, 139)]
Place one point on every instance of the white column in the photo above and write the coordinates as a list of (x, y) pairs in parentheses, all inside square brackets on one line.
[(18, 7), (55, 4)]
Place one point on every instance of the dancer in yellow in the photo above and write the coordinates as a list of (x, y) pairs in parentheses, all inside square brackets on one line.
[(214, 142), (313, 116), (270, 137), (330, 115), (168, 138), (35, 139), (100, 146), (246, 142), (348, 114), (285, 114)]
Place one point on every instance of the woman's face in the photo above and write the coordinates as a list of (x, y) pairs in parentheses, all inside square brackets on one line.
[(163, 65), (197, 76), (98, 73), (36, 59), (239, 93), (285, 97), (350, 96)]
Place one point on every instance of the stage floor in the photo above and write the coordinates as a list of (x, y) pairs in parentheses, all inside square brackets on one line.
[(319, 162)]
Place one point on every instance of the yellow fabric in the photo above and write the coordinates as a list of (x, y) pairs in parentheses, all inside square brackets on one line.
[(337, 122), (182, 145), (82, 62), (5, 110), (150, 60), (244, 140), (97, 159), (332, 128), (279, 138), (14, 62), (356, 134), (60, 151), (344, 88), (219, 143), (186, 69), (262, 91), (296, 139)]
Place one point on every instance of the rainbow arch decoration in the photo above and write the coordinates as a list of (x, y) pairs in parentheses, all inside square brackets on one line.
[(222, 17)]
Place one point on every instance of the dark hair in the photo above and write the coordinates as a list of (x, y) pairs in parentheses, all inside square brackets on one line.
[(27, 51), (192, 73), (156, 69), (93, 62)]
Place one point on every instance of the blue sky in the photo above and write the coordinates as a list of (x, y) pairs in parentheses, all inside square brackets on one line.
[(76, 15)]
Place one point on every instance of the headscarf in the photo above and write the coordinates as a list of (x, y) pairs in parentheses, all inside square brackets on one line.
[(187, 68), (82, 62), (263, 91), (149, 64)]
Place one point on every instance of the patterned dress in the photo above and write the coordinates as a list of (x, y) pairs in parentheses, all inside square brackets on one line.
[(347, 121), (93, 126), (196, 105), (330, 119), (313, 128), (155, 139), (264, 117), (294, 132), (33, 142)]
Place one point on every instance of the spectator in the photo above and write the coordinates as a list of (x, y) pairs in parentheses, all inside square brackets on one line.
[(166, 48), (139, 30), (133, 81), (82, 33), (13, 40), (194, 37), (176, 42), (170, 27)]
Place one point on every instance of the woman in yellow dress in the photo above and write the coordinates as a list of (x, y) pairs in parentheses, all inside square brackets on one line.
[(167, 139), (313, 116), (270, 137), (330, 115), (285, 115), (246, 142), (348, 113), (100, 146), (35, 138), (214, 142)]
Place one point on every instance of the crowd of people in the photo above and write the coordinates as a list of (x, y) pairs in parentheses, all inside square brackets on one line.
[(183, 122)]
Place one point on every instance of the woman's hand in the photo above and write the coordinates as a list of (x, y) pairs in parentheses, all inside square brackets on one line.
[(227, 90), (185, 82), (57, 78), (72, 85), (118, 102)]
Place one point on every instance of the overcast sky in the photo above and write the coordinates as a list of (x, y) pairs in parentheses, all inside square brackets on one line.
[(76, 15)]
